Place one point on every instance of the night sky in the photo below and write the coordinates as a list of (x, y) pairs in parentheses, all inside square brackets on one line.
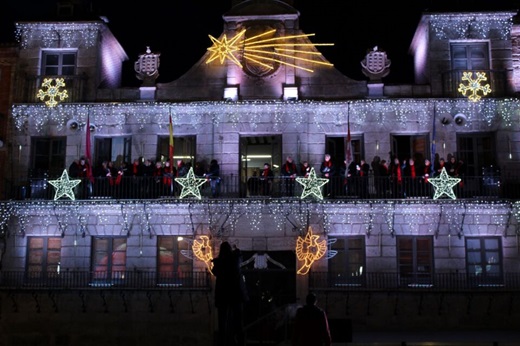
[(179, 29)]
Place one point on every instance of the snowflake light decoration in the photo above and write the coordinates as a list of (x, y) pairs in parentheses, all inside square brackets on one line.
[(52, 92), (190, 184), (474, 86)]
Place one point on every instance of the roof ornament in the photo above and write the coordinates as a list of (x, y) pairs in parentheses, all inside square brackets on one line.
[(147, 67), (376, 65)]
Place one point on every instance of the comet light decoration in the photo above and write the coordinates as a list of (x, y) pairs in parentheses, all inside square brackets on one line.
[(444, 184), (202, 250), (52, 92), (64, 186), (308, 250), (474, 86), (261, 50)]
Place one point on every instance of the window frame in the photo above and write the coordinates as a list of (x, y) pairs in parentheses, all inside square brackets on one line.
[(178, 271), (115, 268), (60, 67), (412, 257), (348, 248), (483, 278), (46, 268)]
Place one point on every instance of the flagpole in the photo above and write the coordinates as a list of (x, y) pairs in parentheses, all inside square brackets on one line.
[(433, 139), (171, 148)]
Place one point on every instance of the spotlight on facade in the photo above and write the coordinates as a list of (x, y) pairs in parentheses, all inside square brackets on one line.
[(93, 127), (73, 125), (446, 120), (460, 119)]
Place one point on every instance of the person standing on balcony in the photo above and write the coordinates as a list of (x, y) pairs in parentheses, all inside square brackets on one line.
[(266, 180), (230, 295), (214, 178), (305, 169), (328, 171), (289, 175), (311, 326)]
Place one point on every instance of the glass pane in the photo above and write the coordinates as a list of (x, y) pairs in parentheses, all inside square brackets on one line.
[(473, 244), (52, 59), (491, 244), (69, 59), (474, 257)]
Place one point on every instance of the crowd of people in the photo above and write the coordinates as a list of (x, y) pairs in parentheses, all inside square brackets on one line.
[(143, 178)]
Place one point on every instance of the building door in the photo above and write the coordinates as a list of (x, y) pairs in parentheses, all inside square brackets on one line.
[(254, 152), (415, 146)]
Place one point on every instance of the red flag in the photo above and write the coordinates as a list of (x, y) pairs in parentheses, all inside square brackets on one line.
[(88, 155), (348, 144), (171, 147)]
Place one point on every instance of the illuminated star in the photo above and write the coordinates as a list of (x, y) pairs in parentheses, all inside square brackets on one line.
[(190, 184), (444, 184), (265, 49), (312, 185), (64, 186)]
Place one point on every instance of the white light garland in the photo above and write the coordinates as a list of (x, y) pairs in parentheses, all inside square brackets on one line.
[(66, 35)]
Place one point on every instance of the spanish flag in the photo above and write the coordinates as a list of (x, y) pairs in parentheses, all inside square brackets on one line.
[(171, 146)]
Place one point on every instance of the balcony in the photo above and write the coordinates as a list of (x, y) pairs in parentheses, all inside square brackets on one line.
[(439, 282), (233, 186), (452, 79), (134, 279), (27, 88)]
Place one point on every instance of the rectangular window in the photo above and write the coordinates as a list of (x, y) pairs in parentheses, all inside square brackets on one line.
[(415, 260), (58, 63), (347, 267), (43, 257), (484, 260), (174, 261), (470, 56), (108, 259), (47, 156), (477, 151)]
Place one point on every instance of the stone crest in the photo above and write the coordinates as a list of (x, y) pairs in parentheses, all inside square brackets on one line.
[(376, 64), (147, 67)]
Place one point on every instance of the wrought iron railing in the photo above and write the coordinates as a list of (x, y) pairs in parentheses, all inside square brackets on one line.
[(452, 79), (438, 282), (28, 87), (134, 279), (233, 186)]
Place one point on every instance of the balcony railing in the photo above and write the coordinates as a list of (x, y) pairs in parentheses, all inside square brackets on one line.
[(452, 79), (135, 279), (27, 88), (233, 186), (439, 282)]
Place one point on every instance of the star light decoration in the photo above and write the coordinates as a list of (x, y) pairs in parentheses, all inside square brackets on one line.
[(312, 185), (474, 85), (261, 50), (309, 250), (190, 184), (444, 184), (52, 92), (64, 186)]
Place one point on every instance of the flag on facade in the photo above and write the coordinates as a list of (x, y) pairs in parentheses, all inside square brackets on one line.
[(348, 145), (171, 146), (88, 154)]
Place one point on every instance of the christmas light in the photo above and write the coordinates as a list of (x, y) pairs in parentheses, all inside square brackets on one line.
[(263, 49), (52, 92), (312, 185), (190, 184), (443, 184), (309, 250), (202, 250), (64, 186), (474, 85)]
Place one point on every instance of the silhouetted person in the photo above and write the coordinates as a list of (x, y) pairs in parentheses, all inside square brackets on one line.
[(311, 326), (230, 295)]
